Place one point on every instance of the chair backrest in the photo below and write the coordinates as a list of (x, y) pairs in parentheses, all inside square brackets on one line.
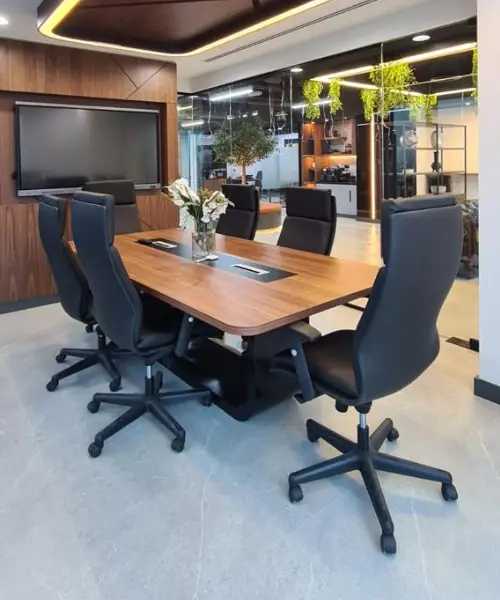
[(397, 337), (117, 306), (240, 220), (310, 222), (123, 191), (72, 286)]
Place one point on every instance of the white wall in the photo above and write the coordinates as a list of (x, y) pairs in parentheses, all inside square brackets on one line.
[(489, 191)]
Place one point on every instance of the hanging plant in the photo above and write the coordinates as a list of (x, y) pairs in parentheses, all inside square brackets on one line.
[(311, 92), (334, 96), (475, 79), (420, 107), (394, 80)]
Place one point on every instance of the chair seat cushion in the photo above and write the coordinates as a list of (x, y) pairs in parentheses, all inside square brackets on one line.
[(330, 361)]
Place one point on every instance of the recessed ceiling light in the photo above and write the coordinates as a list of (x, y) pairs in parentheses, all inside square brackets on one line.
[(296, 69), (4, 21), (255, 113), (423, 37)]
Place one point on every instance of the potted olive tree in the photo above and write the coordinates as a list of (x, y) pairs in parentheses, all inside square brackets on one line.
[(242, 142)]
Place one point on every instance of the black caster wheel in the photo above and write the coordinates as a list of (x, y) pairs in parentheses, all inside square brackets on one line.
[(393, 435), (388, 543), (89, 328), (52, 385), (178, 444), (93, 406), (311, 436), (449, 492), (115, 385), (206, 400), (95, 449), (295, 494), (61, 357)]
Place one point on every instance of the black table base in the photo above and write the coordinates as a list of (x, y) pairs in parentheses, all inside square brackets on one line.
[(241, 386)]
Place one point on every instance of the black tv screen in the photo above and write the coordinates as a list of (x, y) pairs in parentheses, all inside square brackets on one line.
[(59, 148)]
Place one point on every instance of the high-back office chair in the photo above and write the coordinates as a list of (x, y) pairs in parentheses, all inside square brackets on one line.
[(126, 212), (149, 331), (240, 220), (395, 342), (310, 222), (74, 293)]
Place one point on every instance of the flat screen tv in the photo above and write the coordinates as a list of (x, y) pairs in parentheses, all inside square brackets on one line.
[(60, 147)]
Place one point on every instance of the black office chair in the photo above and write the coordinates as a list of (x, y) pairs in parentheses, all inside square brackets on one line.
[(240, 220), (395, 342), (310, 222), (74, 294), (149, 331), (126, 217)]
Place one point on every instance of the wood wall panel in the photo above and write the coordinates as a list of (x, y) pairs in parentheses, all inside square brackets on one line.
[(24, 270), (39, 72)]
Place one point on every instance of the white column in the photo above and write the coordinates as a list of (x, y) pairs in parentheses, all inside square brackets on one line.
[(489, 191)]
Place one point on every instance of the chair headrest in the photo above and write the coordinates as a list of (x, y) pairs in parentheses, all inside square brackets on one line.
[(244, 197), (310, 204), (60, 206), (123, 190), (106, 203), (408, 205)]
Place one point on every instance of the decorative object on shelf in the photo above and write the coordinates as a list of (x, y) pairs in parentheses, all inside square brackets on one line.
[(437, 140), (311, 92), (392, 83), (243, 143), (420, 107), (475, 78), (199, 211), (334, 96), (409, 138), (436, 164)]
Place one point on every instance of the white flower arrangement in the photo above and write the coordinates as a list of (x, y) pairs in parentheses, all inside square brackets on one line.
[(201, 209)]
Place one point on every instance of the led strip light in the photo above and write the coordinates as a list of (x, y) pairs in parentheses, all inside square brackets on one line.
[(65, 7)]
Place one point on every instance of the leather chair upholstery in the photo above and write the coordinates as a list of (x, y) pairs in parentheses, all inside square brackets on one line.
[(72, 287), (74, 293), (310, 222), (126, 214), (395, 342), (140, 323), (240, 220)]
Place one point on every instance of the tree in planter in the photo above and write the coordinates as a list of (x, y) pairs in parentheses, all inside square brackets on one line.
[(243, 143)]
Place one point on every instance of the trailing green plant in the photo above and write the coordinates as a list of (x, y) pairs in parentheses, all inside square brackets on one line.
[(475, 78), (311, 92), (392, 82), (243, 143), (334, 95), (420, 107)]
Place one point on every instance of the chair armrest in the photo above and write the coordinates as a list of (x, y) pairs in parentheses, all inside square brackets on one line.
[(305, 332)]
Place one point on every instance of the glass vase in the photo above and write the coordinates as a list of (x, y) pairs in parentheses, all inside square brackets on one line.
[(203, 241)]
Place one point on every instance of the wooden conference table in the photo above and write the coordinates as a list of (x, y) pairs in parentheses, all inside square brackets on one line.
[(290, 285)]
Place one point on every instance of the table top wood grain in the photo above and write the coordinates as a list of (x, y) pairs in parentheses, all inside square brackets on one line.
[(235, 303)]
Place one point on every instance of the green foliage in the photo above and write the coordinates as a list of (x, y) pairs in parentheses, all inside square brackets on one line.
[(475, 79), (370, 99), (334, 96), (420, 107), (243, 142), (392, 82), (311, 92)]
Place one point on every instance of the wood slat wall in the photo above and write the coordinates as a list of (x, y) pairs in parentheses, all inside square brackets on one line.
[(37, 72)]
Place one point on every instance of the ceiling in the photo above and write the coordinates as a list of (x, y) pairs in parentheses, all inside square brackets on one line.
[(273, 96), (330, 28)]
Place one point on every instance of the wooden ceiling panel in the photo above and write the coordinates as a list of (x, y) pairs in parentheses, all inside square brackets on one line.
[(167, 26)]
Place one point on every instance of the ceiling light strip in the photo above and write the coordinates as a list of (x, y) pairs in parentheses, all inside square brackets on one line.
[(65, 7), (414, 58), (238, 93)]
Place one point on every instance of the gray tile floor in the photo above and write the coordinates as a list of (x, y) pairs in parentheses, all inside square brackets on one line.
[(214, 522)]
